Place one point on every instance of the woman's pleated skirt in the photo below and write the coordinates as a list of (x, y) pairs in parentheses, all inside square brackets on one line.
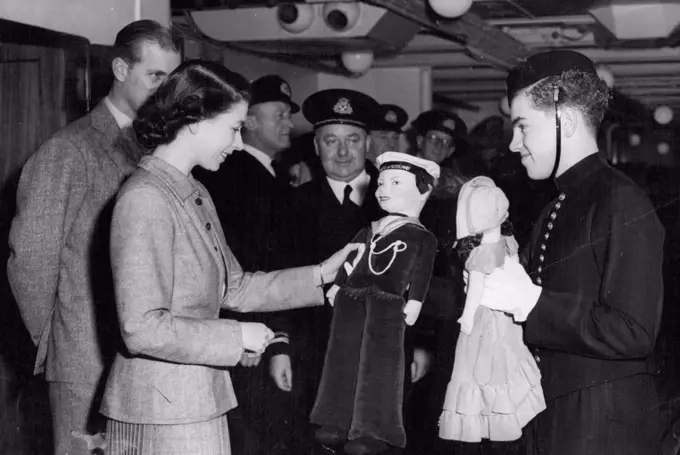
[(202, 438)]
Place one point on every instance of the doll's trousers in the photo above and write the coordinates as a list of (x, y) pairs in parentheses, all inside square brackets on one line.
[(362, 383)]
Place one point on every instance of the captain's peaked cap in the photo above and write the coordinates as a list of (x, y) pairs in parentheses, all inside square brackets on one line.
[(340, 106), (545, 64)]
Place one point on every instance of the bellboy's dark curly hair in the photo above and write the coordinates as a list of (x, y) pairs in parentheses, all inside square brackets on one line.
[(580, 90)]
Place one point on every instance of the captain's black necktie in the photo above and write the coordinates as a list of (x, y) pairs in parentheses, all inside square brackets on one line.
[(346, 201)]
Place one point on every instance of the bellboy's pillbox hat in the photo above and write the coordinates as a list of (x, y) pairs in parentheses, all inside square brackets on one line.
[(545, 64)]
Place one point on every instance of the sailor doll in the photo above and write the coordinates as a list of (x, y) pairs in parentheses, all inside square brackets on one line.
[(380, 291)]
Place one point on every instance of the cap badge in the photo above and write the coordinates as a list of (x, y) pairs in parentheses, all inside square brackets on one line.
[(449, 123), (391, 117), (343, 107), (285, 89)]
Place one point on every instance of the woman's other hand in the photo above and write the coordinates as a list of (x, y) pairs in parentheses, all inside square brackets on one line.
[(256, 336)]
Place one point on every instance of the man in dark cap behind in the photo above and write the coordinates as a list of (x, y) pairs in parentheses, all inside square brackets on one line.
[(251, 203), (332, 209), (593, 292), (441, 137), (386, 129), (438, 135)]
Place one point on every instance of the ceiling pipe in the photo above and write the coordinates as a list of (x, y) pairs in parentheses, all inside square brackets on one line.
[(482, 39)]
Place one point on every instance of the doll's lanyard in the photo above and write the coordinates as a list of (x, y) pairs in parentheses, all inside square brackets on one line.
[(396, 247)]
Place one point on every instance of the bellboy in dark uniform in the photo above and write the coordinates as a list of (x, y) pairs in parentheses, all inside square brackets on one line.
[(386, 129), (250, 202), (594, 269)]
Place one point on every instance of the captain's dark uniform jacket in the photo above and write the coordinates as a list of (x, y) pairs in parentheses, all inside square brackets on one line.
[(597, 253)]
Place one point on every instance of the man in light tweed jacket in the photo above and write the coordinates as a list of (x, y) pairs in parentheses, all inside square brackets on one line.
[(59, 267)]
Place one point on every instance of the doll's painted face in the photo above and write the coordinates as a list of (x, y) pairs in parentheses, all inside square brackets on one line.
[(397, 192)]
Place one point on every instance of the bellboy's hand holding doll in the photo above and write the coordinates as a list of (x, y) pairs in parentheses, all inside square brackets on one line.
[(495, 387), (379, 292)]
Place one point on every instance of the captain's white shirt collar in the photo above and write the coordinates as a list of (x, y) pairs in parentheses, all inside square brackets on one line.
[(359, 186)]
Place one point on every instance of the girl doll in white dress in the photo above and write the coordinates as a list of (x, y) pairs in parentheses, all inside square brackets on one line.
[(495, 387)]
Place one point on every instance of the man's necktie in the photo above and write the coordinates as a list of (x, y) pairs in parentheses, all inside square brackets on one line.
[(347, 202)]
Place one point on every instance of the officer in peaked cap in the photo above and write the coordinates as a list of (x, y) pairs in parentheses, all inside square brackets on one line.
[(386, 130), (438, 134), (272, 88), (340, 107), (342, 120), (592, 291)]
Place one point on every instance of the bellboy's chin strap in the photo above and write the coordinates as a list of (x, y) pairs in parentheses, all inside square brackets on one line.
[(558, 131)]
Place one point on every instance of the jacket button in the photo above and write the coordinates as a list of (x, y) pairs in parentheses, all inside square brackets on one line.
[(208, 226), (199, 201)]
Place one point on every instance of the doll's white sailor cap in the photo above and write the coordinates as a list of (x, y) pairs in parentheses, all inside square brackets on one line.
[(481, 206), (406, 162)]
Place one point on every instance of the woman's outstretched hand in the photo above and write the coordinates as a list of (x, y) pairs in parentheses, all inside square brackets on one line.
[(330, 267)]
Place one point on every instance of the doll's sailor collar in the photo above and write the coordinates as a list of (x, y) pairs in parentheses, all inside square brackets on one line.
[(394, 248), (392, 225)]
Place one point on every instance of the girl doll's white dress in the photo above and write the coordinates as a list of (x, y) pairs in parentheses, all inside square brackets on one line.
[(495, 387)]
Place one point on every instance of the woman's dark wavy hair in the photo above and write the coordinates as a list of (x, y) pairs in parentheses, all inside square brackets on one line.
[(197, 90), (581, 90)]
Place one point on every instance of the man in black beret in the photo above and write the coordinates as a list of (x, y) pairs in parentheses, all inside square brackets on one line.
[(251, 201), (386, 130), (593, 292), (438, 134)]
